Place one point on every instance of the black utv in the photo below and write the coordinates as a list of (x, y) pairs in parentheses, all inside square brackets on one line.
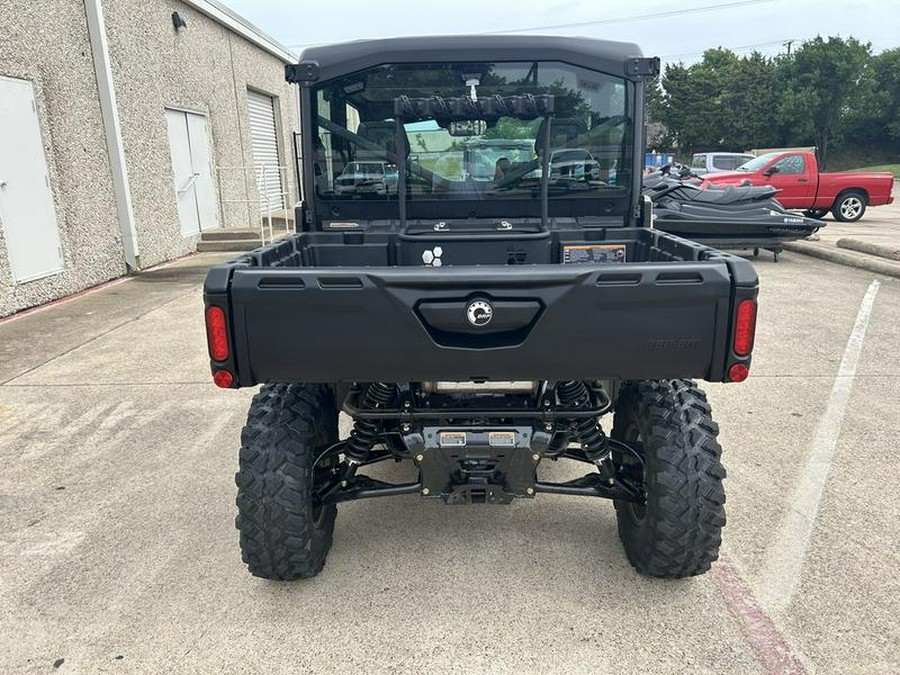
[(479, 322)]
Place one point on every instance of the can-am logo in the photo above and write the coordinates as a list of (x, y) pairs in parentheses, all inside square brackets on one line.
[(479, 313)]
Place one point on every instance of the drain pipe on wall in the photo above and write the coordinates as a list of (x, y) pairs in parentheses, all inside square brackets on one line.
[(113, 131)]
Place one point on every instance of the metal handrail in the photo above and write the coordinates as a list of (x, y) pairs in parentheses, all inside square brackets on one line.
[(263, 194), (191, 180)]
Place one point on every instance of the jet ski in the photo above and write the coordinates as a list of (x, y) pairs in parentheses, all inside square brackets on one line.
[(737, 217)]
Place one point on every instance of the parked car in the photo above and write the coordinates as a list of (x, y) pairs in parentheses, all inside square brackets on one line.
[(801, 186), (573, 164), (366, 177), (710, 162)]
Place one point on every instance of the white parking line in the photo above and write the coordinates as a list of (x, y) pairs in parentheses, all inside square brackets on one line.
[(784, 562)]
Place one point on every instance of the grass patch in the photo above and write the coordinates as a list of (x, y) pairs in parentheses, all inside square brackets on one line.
[(893, 168)]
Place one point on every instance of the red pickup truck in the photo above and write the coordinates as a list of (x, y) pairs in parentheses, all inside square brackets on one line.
[(796, 175)]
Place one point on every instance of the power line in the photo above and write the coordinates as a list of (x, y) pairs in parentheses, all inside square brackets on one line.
[(622, 19), (734, 49), (639, 17)]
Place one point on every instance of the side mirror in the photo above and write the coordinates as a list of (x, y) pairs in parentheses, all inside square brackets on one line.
[(771, 170)]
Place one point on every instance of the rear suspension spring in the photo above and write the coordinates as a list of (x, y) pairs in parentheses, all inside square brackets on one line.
[(575, 394), (365, 432)]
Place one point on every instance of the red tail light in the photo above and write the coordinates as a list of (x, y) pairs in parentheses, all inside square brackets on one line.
[(216, 333), (738, 372), (223, 379), (744, 327)]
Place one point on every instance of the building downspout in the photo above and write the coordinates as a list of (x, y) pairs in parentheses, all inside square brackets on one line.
[(113, 132)]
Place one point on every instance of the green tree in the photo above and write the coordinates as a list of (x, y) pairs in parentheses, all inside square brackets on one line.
[(873, 122), (508, 127), (696, 103), (750, 103), (678, 99), (658, 136), (887, 78), (824, 76)]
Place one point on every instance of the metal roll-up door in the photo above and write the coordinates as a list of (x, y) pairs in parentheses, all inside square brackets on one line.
[(264, 144)]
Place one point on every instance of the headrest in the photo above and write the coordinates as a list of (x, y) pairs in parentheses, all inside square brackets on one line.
[(383, 134)]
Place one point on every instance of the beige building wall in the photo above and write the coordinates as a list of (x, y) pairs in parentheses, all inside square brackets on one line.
[(204, 67), (52, 50)]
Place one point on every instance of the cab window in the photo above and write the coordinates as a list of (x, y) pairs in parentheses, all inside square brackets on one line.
[(792, 164)]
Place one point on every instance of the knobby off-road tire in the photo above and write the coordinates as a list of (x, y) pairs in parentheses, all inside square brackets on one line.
[(285, 535), (678, 532)]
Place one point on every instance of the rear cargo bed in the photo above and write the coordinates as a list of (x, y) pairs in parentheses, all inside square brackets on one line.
[(328, 307)]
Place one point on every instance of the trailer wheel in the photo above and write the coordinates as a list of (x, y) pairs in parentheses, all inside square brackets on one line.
[(849, 206), (818, 214), (284, 533), (677, 532)]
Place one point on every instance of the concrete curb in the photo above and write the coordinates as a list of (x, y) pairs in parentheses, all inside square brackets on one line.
[(881, 250), (841, 258)]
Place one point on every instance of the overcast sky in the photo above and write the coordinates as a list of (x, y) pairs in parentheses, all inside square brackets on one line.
[(682, 35)]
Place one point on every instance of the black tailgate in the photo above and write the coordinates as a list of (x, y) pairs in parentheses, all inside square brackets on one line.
[(397, 324)]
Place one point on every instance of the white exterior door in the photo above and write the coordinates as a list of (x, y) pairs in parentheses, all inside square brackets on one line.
[(264, 143), (195, 192), (27, 212)]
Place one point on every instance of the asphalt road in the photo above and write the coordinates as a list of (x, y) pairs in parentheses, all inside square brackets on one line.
[(119, 552)]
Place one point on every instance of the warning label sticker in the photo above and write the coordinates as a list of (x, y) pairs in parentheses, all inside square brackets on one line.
[(594, 253)]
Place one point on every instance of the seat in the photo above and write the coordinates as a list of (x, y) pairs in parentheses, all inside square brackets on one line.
[(731, 194)]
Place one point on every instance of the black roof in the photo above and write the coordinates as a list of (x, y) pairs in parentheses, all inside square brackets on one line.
[(349, 57)]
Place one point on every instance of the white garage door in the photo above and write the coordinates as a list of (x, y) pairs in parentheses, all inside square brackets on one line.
[(264, 142), (26, 203)]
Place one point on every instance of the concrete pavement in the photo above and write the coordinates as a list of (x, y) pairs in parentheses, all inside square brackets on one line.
[(119, 552), (879, 225), (866, 244)]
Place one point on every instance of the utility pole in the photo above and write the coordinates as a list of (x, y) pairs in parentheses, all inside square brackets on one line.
[(788, 44)]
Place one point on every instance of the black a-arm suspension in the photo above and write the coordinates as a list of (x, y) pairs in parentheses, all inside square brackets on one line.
[(478, 449)]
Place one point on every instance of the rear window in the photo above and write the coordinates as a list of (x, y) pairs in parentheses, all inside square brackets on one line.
[(699, 162), (473, 131), (725, 163), (730, 162)]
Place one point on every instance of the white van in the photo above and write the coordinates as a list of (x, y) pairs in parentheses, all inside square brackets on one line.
[(709, 162)]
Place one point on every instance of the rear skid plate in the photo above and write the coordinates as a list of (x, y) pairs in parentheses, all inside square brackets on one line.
[(477, 465)]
